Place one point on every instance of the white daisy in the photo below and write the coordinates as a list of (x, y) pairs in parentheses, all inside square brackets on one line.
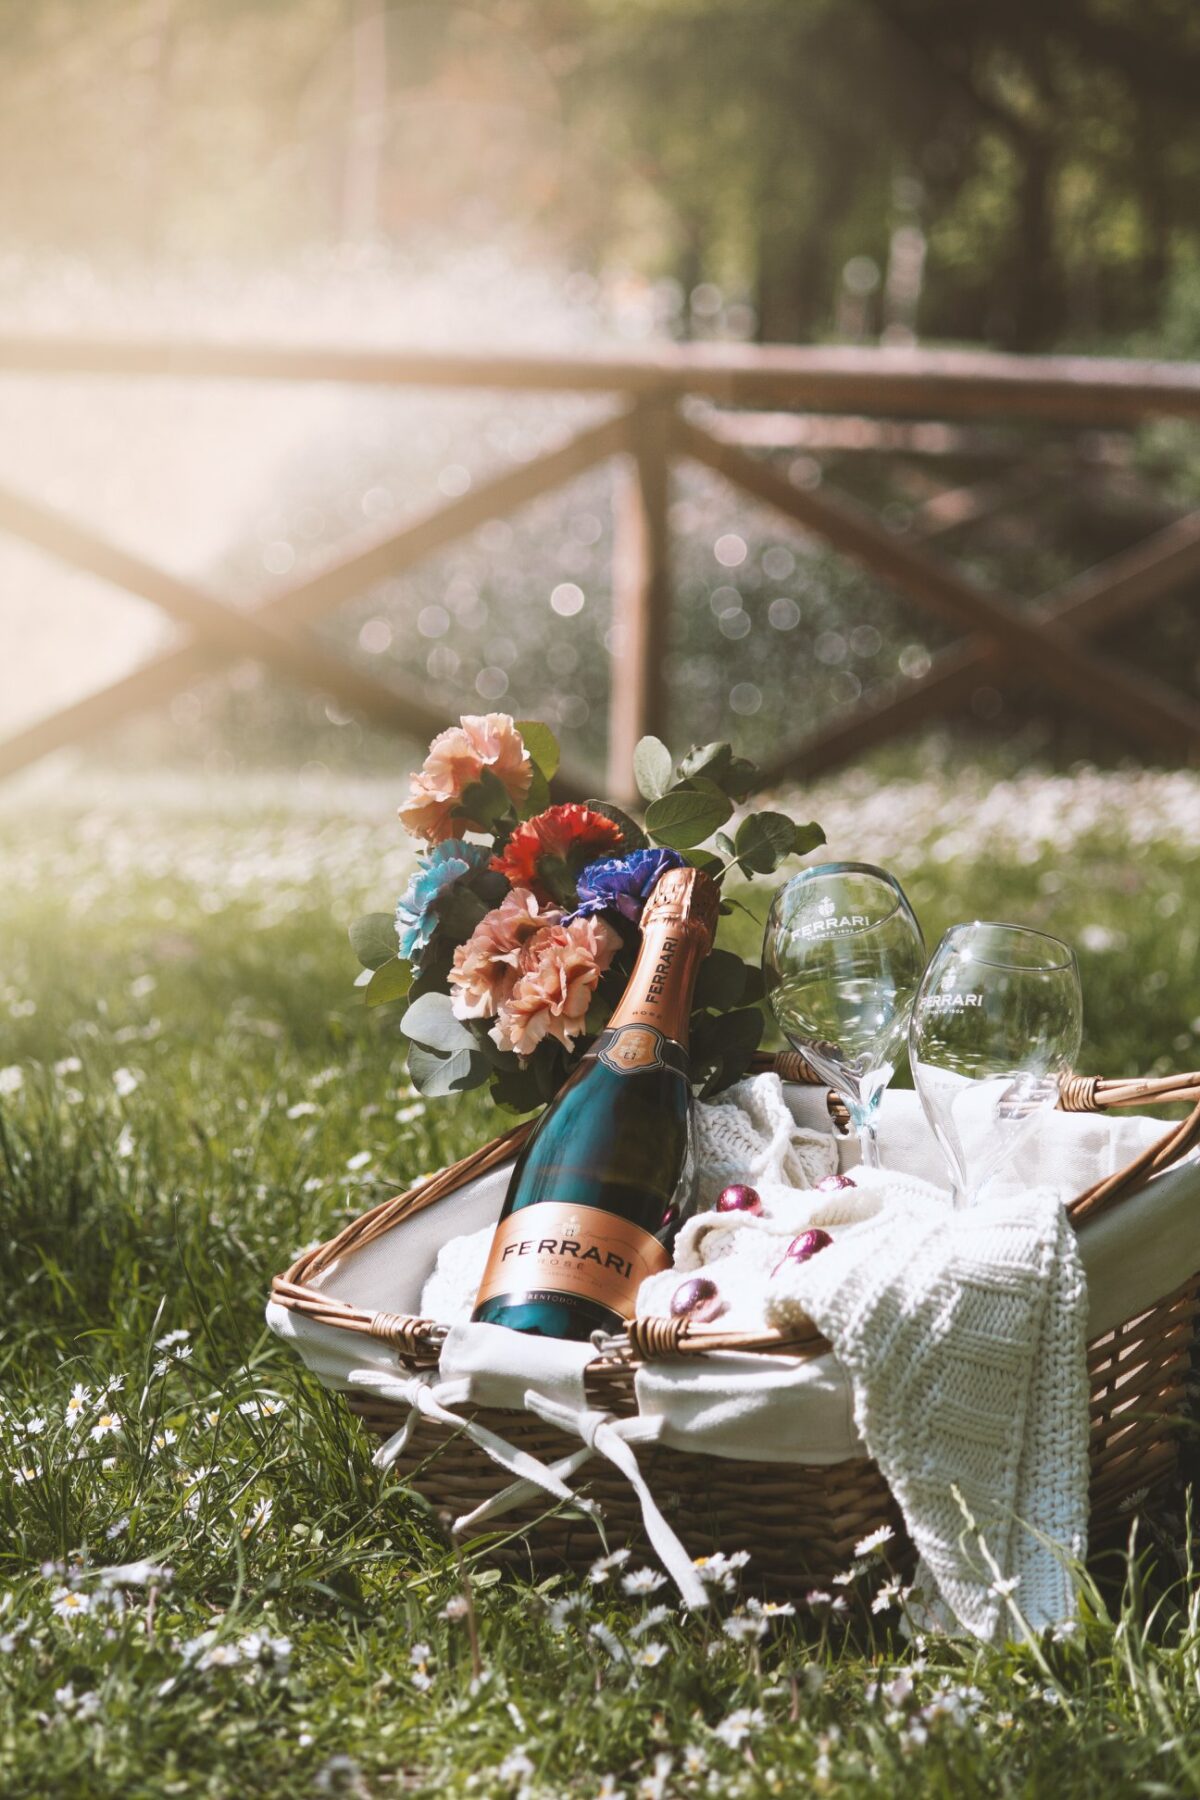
[(170, 1339), (742, 1625), (260, 1514), (738, 1725), (602, 1568), (875, 1540), (77, 1404), (106, 1424), (516, 1766), (261, 1409), (303, 1109), (648, 1656), (653, 1615), (643, 1581), (162, 1440), (126, 1082), (69, 1603), (358, 1161), (12, 1079)]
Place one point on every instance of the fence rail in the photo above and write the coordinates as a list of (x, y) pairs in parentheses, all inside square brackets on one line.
[(673, 405)]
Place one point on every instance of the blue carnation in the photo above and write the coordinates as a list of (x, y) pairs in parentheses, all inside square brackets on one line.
[(622, 883), (416, 909)]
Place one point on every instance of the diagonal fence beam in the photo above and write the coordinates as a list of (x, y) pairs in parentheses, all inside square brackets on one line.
[(1133, 703), (1099, 597), (1089, 603), (218, 627), (164, 675), (442, 525)]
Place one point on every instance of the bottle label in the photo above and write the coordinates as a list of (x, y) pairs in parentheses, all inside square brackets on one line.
[(548, 1251), (628, 1048)]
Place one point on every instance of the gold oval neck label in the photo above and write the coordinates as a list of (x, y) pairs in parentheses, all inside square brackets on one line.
[(632, 1047)]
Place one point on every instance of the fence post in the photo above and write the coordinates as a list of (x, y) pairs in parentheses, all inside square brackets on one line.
[(641, 592)]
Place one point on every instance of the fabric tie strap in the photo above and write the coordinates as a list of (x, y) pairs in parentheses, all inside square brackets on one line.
[(428, 1397), (423, 1399)]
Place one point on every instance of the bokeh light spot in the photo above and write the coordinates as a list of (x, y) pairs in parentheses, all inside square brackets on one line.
[(375, 637), (567, 599), (730, 550), (433, 621), (745, 698)]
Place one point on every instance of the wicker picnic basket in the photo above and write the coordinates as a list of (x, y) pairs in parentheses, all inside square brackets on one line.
[(800, 1523)]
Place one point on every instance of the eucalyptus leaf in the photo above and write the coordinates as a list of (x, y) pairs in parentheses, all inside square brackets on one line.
[(538, 797), (721, 981), (687, 816), (483, 802), (430, 978), (373, 939), (434, 1075), (541, 744), (705, 759), (634, 838), (756, 987), (518, 1089), (728, 1041), (459, 911), (390, 981), (808, 837), (652, 768), (704, 859), (764, 840), (430, 1021), (717, 763)]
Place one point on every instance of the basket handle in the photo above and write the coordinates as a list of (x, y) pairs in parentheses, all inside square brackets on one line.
[(1182, 1138), (1079, 1094)]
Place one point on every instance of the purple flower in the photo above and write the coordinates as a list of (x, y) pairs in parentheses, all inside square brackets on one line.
[(621, 883)]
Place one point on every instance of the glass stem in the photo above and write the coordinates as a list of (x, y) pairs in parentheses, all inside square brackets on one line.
[(868, 1143)]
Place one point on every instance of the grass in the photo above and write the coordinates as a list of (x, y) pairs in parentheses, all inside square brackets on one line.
[(188, 1093)]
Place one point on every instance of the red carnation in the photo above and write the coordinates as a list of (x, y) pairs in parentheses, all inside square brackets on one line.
[(547, 852)]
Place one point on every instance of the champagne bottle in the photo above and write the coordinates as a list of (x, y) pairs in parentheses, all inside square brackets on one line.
[(601, 1185)]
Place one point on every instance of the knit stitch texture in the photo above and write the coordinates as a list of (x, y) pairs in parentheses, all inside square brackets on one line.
[(964, 1339)]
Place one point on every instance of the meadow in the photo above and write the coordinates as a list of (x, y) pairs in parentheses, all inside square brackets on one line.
[(205, 1587)]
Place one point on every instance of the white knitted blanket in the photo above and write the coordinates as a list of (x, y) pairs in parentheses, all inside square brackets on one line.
[(964, 1338)]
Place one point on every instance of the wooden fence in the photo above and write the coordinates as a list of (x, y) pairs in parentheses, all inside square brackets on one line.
[(715, 406)]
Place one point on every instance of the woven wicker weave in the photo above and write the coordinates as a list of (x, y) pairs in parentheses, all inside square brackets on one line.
[(799, 1523)]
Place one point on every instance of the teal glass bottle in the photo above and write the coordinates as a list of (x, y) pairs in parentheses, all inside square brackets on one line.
[(603, 1182)]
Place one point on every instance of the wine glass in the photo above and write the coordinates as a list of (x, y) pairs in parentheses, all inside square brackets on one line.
[(996, 1026), (842, 957)]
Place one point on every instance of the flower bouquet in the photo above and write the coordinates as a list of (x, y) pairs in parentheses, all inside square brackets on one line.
[(517, 932)]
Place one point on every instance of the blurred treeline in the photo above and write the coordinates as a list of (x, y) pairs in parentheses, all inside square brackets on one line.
[(1019, 172)]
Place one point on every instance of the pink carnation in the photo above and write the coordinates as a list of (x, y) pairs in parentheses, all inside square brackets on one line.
[(484, 971), (558, 972), (456, 758)]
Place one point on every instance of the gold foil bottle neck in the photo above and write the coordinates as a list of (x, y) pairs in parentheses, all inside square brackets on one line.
[(684, 897)]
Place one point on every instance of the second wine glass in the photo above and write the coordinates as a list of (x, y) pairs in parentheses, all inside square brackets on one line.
[(842, 958), (996, 1026)]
